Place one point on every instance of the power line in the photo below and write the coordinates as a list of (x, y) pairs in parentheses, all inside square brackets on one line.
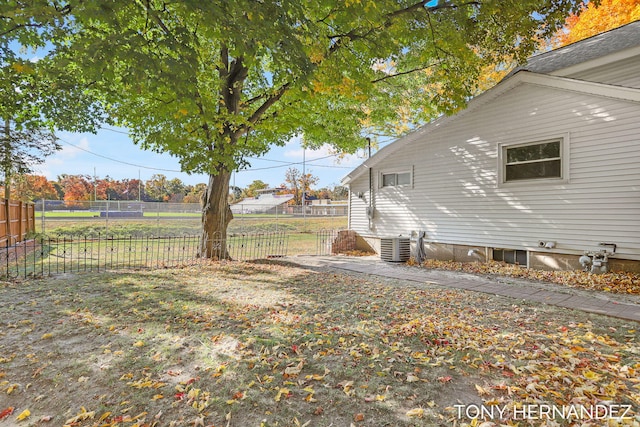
[(116, 160), (284, 163), (115, 130)]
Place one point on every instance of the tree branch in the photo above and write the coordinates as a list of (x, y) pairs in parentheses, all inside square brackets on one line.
[(272, 99), (62, 11), (147, 6), (404, 73), (421, 5), (18, 27)]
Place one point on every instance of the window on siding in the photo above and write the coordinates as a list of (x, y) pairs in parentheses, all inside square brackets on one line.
[(539, 160), (510, 256), (396, 179)]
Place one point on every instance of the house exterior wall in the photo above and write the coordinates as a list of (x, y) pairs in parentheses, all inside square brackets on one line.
[(455, 196), (622, 73)]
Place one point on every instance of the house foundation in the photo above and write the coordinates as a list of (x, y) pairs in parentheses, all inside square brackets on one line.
[(548, 261)]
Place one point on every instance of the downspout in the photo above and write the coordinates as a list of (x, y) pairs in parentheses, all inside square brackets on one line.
[(349, 210), (370, 208)]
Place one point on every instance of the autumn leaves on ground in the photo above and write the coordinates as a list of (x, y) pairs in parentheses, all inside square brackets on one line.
[(270, 344)]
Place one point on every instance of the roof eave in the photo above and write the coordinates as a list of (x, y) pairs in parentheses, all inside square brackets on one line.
[(520, 77)]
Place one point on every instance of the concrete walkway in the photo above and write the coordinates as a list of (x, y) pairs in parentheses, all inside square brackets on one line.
[(620, 306)]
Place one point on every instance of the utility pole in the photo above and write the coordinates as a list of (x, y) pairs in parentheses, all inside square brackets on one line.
[(304, 187)]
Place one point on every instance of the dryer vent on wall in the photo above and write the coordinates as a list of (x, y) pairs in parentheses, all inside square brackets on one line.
[(395, 249)]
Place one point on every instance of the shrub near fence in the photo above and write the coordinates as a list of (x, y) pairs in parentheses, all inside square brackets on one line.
[(17, 219)]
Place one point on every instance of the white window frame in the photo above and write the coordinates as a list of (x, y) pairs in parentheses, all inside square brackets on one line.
[(395, 172), (564, 161)]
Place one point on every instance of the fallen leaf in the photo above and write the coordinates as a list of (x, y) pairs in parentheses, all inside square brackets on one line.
[(6, 412), (23, 415), (358, 417), (282, 392), (81, 416), (482, 391), (416, 412), (293, 371), (346, 386)]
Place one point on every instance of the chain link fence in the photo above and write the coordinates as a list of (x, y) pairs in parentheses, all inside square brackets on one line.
[(124, 217), (107, 235)]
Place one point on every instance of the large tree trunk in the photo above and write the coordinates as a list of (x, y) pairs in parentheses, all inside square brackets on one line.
[(216, 215)]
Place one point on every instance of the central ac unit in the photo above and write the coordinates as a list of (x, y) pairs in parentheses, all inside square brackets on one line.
[(395, 249)]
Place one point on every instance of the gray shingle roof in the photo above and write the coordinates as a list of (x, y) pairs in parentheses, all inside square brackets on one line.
[(595, 47)]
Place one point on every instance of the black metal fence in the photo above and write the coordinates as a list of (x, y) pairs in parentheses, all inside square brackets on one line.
[(46, 256), (331, 242)]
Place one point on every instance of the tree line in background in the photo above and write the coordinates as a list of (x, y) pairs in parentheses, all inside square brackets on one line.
[(159, 188)]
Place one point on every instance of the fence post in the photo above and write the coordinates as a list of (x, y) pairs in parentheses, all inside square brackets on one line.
[(7, 217), (20, 220), (42, 220), (6, 253), (106, 221)]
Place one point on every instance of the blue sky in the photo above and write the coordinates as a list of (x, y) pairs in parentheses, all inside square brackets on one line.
[(112, 153)]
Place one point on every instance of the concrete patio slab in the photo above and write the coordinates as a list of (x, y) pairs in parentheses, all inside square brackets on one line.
[(623, 307)]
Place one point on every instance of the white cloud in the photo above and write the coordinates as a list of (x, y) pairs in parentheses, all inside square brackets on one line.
[(68, 153), (295, 153), (71, 151)]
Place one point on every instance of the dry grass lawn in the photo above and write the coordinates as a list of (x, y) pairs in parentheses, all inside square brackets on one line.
[(271, 344)]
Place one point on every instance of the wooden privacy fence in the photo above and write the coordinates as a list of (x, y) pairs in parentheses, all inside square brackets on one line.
[(17, 219)]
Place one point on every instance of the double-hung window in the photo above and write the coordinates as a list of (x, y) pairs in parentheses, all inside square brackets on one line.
[(534, 161)]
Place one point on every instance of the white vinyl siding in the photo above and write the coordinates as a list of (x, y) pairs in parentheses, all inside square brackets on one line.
[(620, 73), (358, 205), (456, 196)]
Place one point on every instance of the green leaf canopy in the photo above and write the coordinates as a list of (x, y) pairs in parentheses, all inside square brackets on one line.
[(213, 82)]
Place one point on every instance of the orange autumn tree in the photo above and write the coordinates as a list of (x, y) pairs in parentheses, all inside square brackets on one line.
[(29, 188), (597, 17), (76, 188)]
